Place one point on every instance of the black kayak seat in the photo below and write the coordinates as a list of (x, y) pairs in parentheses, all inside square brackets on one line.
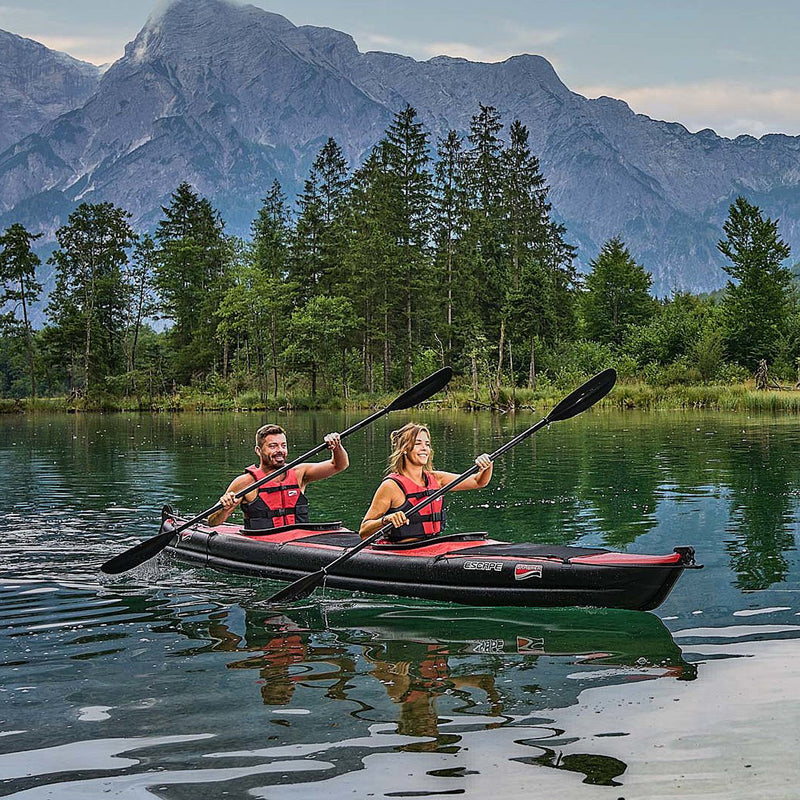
[(476, 536)]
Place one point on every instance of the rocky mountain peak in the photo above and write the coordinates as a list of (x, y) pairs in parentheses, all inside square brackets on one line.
[(229, 97), (38, 84)]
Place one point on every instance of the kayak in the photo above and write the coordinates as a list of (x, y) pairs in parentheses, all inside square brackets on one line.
[(468, 568)]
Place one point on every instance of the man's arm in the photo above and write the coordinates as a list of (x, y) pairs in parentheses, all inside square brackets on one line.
[(339, 461), (229, 500)]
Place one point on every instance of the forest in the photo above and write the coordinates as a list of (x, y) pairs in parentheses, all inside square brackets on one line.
[(428, 253)]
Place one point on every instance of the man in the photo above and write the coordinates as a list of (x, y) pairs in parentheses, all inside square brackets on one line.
[(279, 502)]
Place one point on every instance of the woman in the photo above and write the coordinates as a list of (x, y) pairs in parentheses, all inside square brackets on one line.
[(411, 479)]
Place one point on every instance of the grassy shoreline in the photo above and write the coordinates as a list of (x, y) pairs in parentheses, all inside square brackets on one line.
[(625, 395)]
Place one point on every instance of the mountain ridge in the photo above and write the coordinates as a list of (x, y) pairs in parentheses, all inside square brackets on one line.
[(230, 97)]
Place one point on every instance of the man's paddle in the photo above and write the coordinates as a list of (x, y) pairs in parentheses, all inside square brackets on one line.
[(582, 398), (141, 552)]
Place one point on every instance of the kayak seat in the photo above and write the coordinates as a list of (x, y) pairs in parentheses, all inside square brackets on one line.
[(300, 526), (429, 540)]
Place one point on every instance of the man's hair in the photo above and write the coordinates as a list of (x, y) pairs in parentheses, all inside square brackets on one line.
[(270, 429)]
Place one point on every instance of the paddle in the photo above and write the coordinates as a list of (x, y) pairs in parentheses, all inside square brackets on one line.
[(143, 551), (574, 403)]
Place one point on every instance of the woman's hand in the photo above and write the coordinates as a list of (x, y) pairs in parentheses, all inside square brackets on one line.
[(397, 519)]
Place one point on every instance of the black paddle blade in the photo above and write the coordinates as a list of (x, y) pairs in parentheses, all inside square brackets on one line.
[(138, 554), (423, 390), (584, 396), (298, 590)]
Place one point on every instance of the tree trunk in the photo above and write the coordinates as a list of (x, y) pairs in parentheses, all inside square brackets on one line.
[(513, 377), (28, 337), (499, 374), (532, 369), (274, 346)]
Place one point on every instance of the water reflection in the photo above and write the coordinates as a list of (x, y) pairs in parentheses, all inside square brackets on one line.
[(420, 653), (170, 677)]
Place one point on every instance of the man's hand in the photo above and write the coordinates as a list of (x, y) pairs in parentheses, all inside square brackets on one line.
[(229, 501), (333, 440)]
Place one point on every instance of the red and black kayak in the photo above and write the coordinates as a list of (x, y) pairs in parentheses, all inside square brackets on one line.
[(465, 568)]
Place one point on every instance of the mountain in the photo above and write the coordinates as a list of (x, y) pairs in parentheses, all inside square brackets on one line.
[(229, 97), (37, 85)]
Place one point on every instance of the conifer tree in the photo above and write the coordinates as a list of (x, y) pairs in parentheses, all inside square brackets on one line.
[(271, 290), (88, 305), (407, 162), (617, 294), (318, 250), (20, 288), (485, 234), (192, 265), (370, 262), (451, 210), (758, 298)]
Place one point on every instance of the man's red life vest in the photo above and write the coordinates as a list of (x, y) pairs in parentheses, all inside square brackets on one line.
[(276, 504), (428, 522)]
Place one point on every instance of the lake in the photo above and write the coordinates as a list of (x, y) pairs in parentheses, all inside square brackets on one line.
[(176, 682)]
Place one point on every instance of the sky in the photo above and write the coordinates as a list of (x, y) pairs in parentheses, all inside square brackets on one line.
[(729, 65)]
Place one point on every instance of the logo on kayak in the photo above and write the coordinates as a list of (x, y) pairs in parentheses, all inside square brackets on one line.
[(486, 566), (527, 645), (524, 571)]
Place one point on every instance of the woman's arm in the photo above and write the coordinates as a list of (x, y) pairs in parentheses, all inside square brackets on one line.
[(387, 496), (478, 481)]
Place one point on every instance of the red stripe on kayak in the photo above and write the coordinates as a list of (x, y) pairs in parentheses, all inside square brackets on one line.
[(624, 559)]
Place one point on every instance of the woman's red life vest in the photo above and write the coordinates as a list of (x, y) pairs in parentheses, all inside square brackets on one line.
[(276, 504), (428, 522)]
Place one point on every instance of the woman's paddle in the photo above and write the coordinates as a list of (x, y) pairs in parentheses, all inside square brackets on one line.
[(582, 398), (141, 552)]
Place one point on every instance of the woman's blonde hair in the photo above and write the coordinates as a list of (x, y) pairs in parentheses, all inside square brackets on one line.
[(402, 441)]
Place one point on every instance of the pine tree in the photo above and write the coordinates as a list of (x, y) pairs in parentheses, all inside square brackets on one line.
[(407, 163), (485, 235), (451, 210), (758, 299), (617, 294), (192, 265), (318, 250), (271, 292), (374, 282), (18, 265), (87, 308)]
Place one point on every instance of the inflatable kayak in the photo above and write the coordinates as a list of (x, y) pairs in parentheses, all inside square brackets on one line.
[(465, 568)]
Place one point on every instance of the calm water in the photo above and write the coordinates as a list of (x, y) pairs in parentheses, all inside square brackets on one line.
[(172, 682)]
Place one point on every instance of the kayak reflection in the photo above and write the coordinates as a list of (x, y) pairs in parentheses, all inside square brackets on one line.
[(492, 663)]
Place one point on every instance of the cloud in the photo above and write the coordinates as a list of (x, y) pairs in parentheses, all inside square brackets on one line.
[(94, 49), (729, 108), (513, 41)]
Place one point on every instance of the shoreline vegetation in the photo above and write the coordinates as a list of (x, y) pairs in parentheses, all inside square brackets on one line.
[(430, 252), (626, 395)]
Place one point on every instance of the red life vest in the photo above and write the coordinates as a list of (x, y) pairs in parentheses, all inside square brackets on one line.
[(276, 504), (428, 522)]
